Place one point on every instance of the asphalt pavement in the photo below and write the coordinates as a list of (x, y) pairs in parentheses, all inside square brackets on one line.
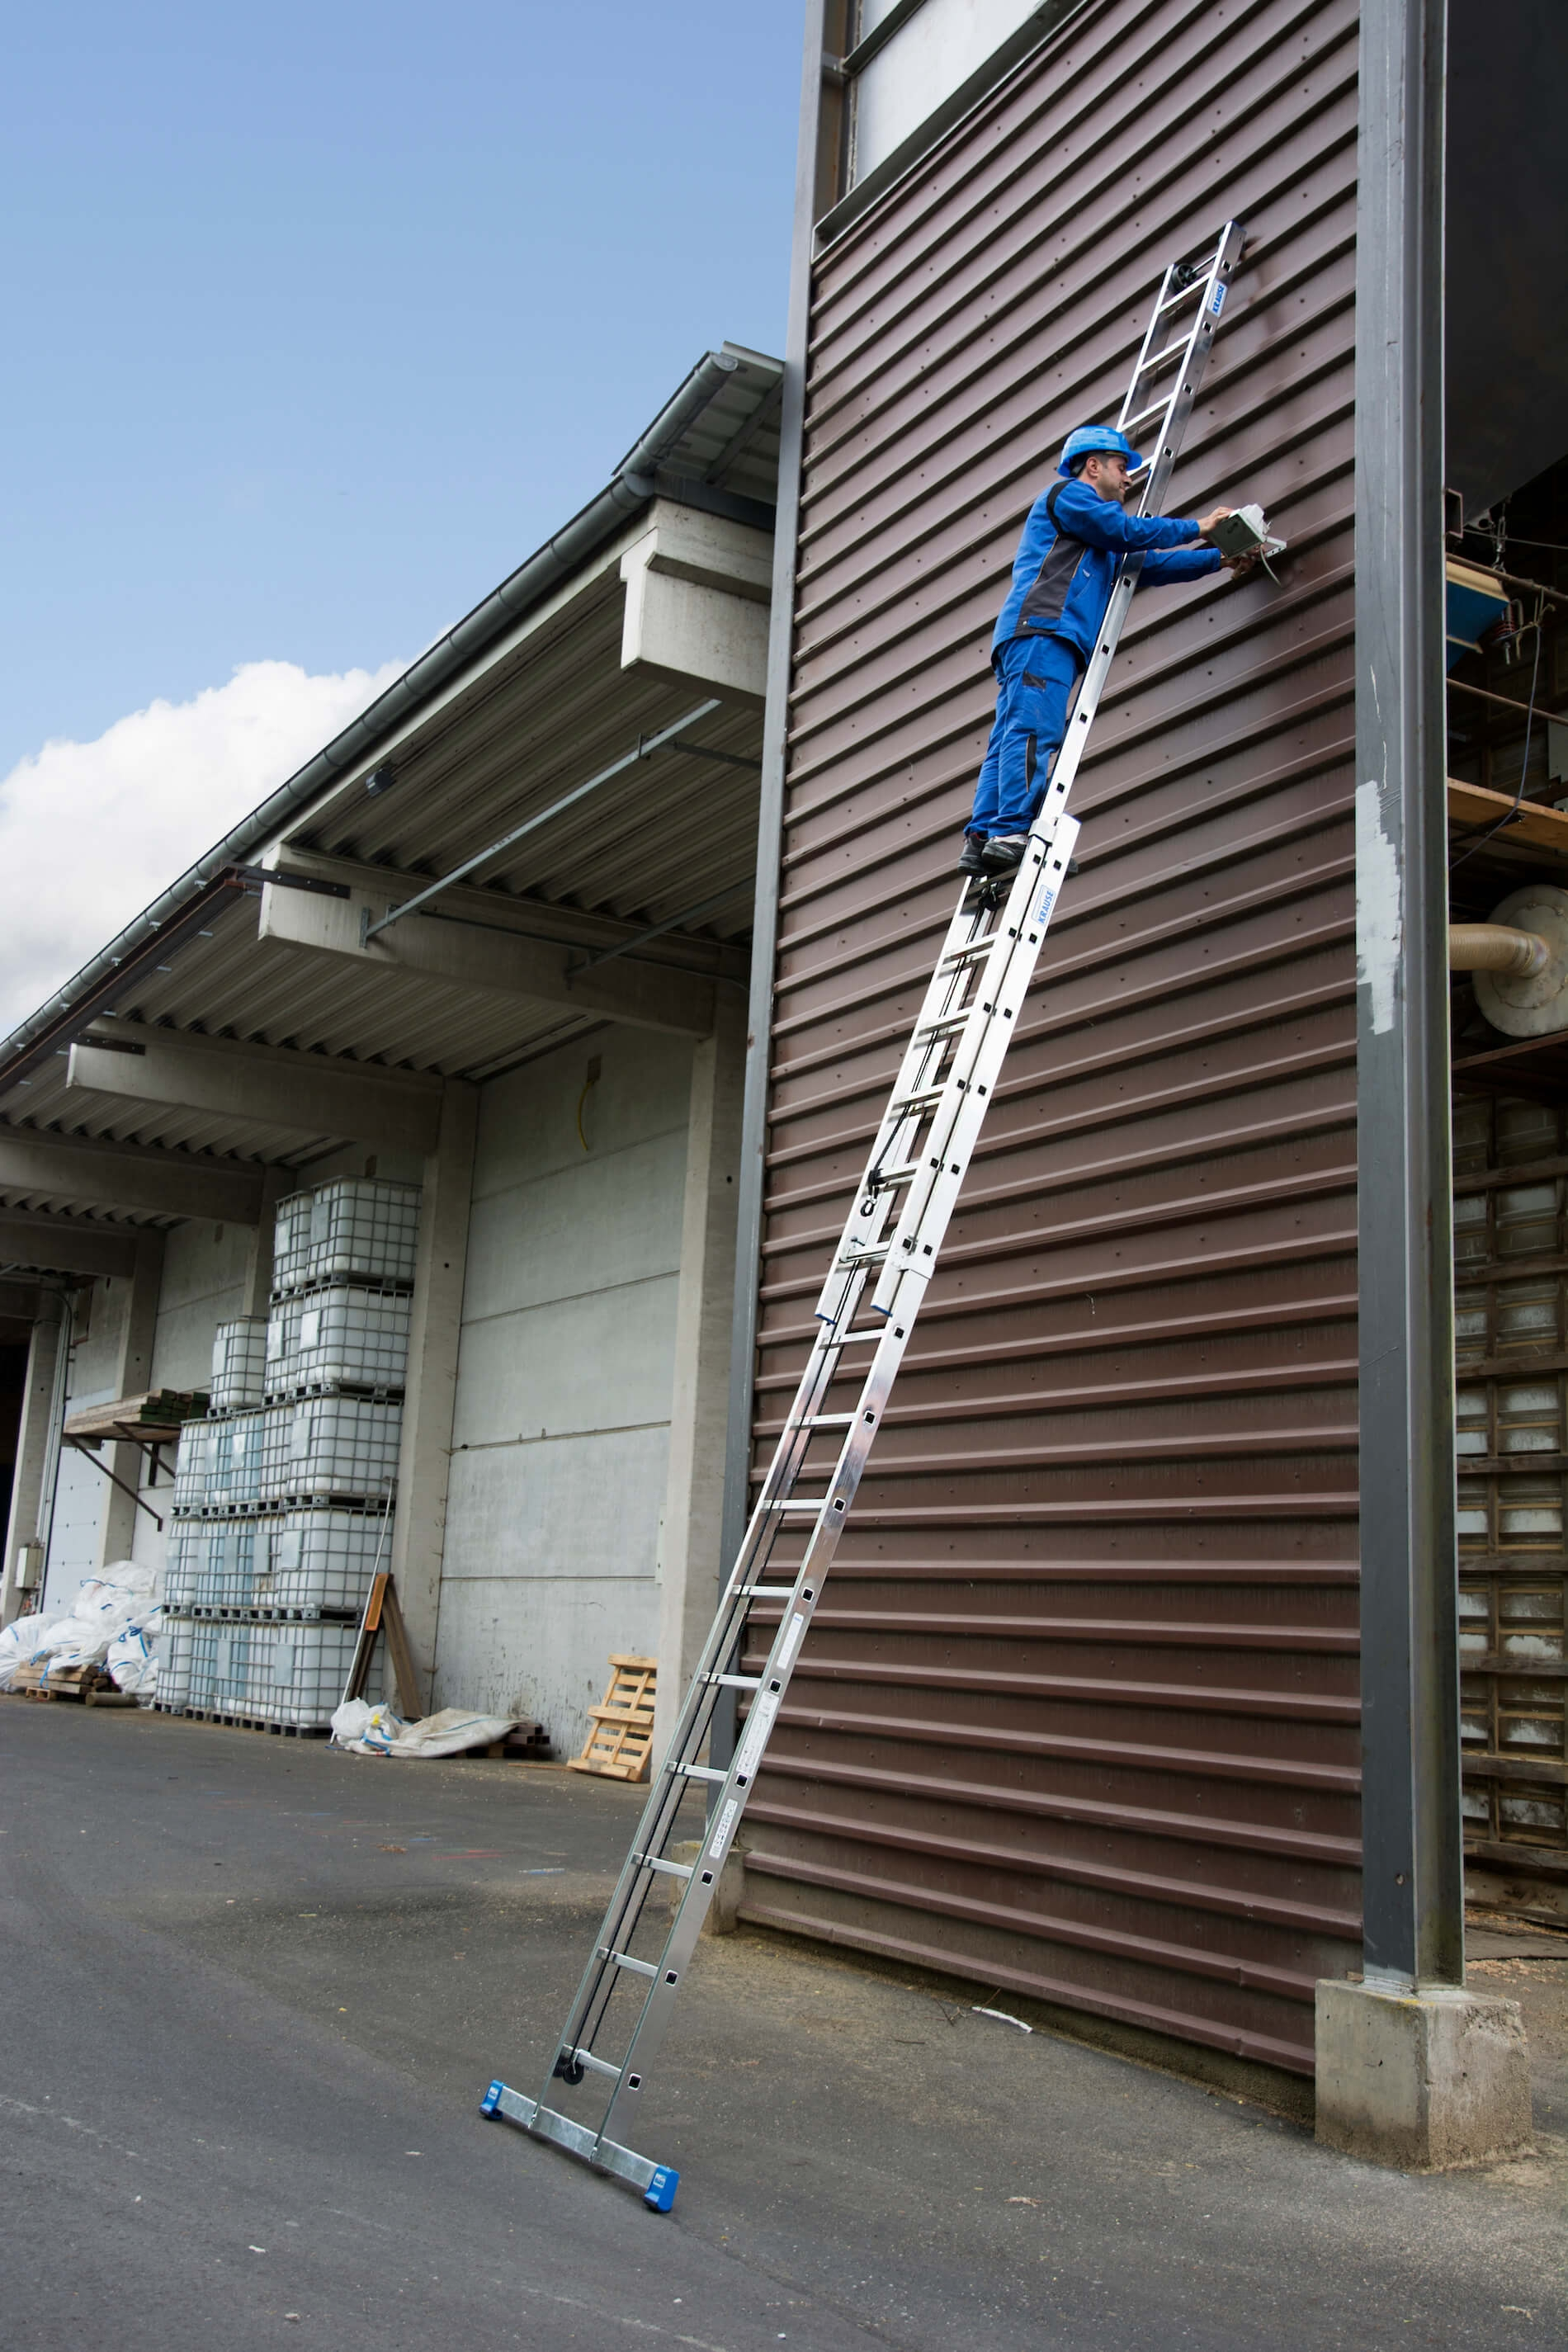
[(253, 1991)]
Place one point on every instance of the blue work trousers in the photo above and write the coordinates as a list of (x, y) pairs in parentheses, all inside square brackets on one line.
[(1034, 681)]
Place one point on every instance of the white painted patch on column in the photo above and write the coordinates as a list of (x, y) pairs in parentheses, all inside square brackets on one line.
[(1379, 920)]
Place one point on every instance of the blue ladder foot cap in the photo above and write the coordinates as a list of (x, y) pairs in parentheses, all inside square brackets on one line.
[(660, 2194), (491, 2104)]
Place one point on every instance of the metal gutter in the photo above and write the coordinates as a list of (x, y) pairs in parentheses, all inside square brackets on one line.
[(770, 849), (633, 486)]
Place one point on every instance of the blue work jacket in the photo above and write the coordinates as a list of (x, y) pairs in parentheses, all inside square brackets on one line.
[(1067, 559)]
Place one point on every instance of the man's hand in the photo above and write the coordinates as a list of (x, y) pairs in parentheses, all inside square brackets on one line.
[(1241, 564), (1206, 522)]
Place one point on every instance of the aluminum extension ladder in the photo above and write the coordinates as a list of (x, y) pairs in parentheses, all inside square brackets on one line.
[(888, 1250)]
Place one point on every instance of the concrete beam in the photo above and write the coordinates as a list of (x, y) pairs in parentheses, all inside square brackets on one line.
[(132, 1377), (321, 1095), (490, 960), (42, 1398), (65, 1244), (704, 1318), (274, 1183), (128, 1176), (697, 603), (430, 1391)]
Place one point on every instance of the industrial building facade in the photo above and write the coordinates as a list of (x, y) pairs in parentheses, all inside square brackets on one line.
[(1135, 1689), (551, 1049)]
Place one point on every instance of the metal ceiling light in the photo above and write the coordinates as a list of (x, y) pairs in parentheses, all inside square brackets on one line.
[(381, 780)]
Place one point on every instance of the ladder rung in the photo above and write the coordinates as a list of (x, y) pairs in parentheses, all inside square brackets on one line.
[(1130, 423), (699, 1771), (825, 1421), (735, 1681), (794, 1503), (948, 1027), (905, 1104), (670, 1870), (1171, 351), (897, 1175), (871, 1256), (765, 1592), (971, 954), (625, 1960), (594, 2066)]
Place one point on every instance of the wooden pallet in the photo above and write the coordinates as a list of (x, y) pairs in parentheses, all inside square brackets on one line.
[(621, 1741)]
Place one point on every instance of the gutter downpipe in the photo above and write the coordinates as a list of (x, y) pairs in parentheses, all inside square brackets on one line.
[(631, 490), (770, 849)]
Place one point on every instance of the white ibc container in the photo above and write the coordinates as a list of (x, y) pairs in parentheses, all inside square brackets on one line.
[(234, 1478), (176, 1643), (330, 1446), (239, 1363), (192, 1464), (185, 1563), (353, 1225), (296, 1673), (220, 1667), (227, 1579), (346, 1334), (321, 1558)]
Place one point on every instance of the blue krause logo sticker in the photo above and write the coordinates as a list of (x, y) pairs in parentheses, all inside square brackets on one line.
[(1216, 301), (1048, 900)]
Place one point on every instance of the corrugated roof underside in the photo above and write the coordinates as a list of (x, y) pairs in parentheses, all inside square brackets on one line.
[(667, 833)]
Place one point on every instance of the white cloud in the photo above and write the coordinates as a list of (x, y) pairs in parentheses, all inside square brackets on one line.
[(91, 833)]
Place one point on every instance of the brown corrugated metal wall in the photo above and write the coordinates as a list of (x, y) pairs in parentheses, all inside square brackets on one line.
[(1079, 1714)]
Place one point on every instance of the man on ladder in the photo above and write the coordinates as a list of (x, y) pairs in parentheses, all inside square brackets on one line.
[(1065, 570)]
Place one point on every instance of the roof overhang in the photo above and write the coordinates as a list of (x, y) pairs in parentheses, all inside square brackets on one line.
[(243, 1019)]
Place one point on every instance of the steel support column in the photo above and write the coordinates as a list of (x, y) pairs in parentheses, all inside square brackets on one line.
[(1413, 1878), (770, 822)]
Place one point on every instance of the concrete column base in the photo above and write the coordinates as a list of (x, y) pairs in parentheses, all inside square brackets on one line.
[(1424, 2081)]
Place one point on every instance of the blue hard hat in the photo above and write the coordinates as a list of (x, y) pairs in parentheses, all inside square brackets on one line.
[(1093, 440)]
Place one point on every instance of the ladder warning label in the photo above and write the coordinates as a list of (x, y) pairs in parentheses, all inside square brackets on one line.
[(792, 1639), (720, 1837), (759, 1723)]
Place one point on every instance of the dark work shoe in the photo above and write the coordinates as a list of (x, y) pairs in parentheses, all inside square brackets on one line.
[(972, 858), (1003, 856)]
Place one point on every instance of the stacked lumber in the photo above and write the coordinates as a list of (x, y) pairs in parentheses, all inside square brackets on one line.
[(87, 1686), (154, 1417)]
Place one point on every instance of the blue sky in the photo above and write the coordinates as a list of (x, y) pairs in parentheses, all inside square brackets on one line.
[(319, 318)]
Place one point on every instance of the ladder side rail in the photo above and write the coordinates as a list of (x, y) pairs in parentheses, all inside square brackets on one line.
[(891, 1143), (649, 2033), (999, 1002), (656, 1821), (947, 1077), (785, 1651), (1001, 975), (1031, 903)]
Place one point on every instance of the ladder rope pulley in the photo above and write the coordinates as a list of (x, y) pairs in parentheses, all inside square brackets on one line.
[(885, 1257)]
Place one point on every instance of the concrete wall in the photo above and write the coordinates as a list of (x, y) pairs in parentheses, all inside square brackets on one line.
[(203, 1286), (81, 1491), (564, 1377)]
